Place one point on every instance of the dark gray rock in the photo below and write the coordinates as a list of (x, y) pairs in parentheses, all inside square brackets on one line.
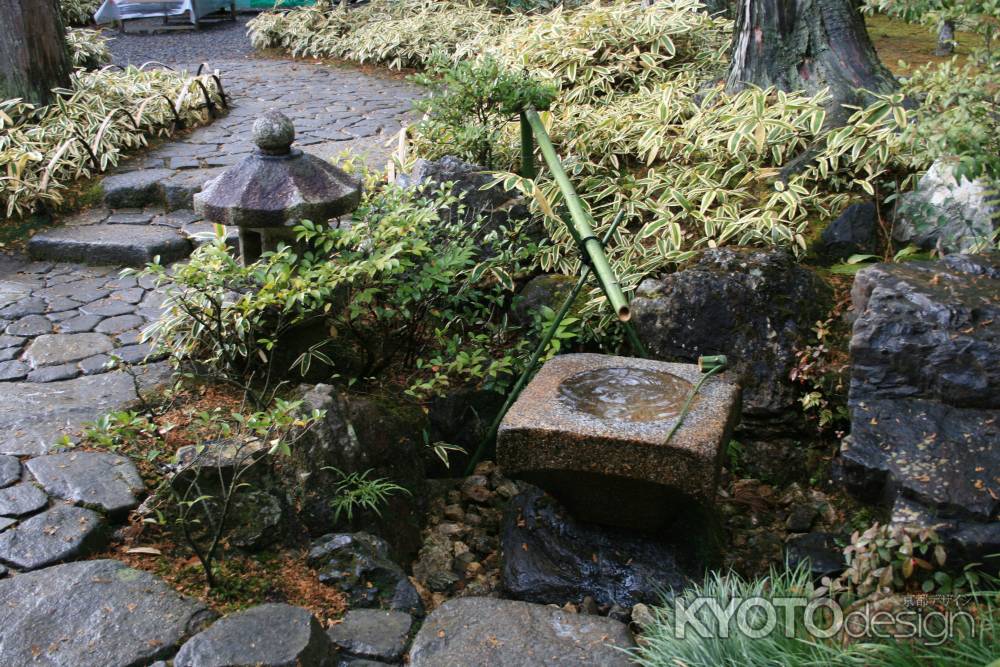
[(29, 306), (925, 391), (108, 307), (825, 558), (139, 353), (853, 232), (56, 349), (358, 565), (129, 217), (55, 535), (10, 470), (95, 364), (373, 633), (360, 433), (550, 558), (121, 245), (21, 499), (13, 370), (496, 205), (54, 373), (548, 290), (79, 324), (96, 613), (134, 189), (801, 518), (179, 189), (119, 324), (268, 635), (30, 325), (487, 632), (756, 307), (6, 523), (100, 480)]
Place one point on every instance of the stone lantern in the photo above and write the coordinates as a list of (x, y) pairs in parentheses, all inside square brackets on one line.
[(267, 193)]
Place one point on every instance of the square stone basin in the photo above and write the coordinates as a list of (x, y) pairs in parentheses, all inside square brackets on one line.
[(592, 429)]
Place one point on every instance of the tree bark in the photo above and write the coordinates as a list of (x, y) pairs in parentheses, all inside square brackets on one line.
[(33, 54), (806, 45)]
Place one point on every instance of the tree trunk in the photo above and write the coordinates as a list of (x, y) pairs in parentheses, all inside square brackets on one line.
[(806, 45), (33, 54), (946, 39)]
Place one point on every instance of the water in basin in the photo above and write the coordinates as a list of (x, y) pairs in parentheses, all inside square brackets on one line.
[(632, 394)]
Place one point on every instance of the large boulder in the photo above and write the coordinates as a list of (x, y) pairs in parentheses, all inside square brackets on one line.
[(853, 232), (470, 184), (96, 613), (268, 635), (550, 558), (359, 434), (925, 396), (754, 306), (947, 213), (358, 564), (505, 633)]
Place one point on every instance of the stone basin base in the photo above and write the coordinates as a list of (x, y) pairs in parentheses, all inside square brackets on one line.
[(592, 430)]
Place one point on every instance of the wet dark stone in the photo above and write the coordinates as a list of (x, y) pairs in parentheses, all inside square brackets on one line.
[(820, 549), (756, 307), (853, 232), (55, 535), (373, 633), (358, 565), (135, 189), (268, 635), (925, 392), (94, 613), (550, 558)]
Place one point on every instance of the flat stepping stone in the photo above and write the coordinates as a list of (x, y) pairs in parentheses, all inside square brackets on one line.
[(269, 635), (21, 499), (100, 480), (31, 325), (10, 470), (55, 349), (135, 189), (13, 370), (373, 633), (93, 614), (120, 245), (6, 523), (33, 416), (487, 631), (55, 535)]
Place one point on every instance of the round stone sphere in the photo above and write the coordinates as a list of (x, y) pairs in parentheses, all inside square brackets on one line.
[(273, 132)]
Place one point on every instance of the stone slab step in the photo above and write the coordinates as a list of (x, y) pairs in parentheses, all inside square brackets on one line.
[(120, 245), (155, 187)]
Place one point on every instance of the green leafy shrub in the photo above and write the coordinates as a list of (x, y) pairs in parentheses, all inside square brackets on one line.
[(88, 129), (88, 48), (471, 104), (78, 12), (403, 290)]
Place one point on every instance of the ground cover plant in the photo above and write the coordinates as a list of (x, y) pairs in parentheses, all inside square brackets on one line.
[(642, 125), (102, 117), (88, 48)]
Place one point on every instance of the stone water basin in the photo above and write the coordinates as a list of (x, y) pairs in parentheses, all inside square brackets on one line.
[(592, 430)]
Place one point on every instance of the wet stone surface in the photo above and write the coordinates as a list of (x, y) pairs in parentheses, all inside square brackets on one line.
[(85, 315)]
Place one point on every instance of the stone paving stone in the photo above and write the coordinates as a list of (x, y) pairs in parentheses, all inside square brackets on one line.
[(9, 353), (32, 325), (55, 349), (13, 370), (95, 364), (99, 480), (10, 470), (21, 499), (29, 306), (130, 218), (96, 613), (50, 537), (108, 307), (80, 324), (119, 324), (373, 633), (5, 523), (54, 373)]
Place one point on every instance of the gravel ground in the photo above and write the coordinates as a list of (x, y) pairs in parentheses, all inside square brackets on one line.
[(225, 41)]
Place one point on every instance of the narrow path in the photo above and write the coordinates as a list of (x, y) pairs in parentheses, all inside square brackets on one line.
[(65, 314), (61, 321)]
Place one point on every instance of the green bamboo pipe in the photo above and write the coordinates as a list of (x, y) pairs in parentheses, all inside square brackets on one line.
[(581, 219), (537, 354), (527, 150)]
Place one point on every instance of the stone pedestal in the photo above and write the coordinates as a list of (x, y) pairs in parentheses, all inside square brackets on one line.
[(592, 430)]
